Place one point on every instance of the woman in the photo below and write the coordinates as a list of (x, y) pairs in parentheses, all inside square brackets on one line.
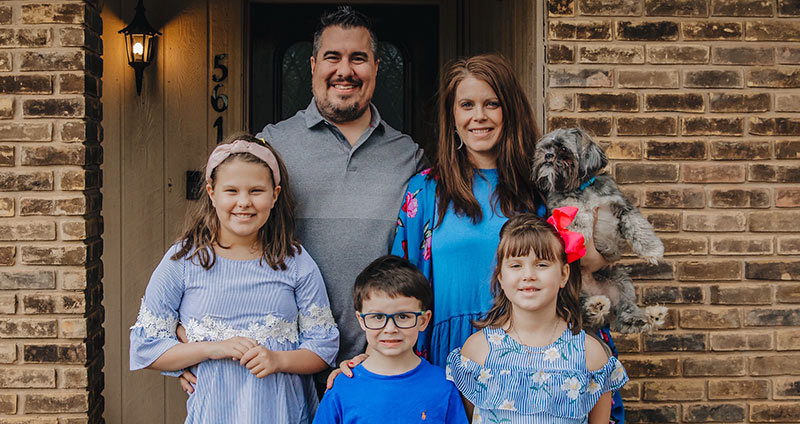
[(450, 221)]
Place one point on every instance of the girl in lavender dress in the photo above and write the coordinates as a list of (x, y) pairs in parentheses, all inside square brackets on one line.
[(252, 301)]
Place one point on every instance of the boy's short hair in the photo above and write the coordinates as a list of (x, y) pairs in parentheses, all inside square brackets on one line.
[(393, 276)]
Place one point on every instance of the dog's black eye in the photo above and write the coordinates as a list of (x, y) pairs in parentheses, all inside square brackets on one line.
[(563, 149)]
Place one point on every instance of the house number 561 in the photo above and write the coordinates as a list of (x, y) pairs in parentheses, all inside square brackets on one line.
[(219, 101)]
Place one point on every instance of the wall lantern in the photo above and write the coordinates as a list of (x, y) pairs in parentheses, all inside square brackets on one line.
[(139, 39)]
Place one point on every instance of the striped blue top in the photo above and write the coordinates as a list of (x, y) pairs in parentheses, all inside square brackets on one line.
[(282, 310), (533, 385)]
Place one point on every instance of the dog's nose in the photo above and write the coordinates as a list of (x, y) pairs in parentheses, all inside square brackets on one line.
[(549, 156)]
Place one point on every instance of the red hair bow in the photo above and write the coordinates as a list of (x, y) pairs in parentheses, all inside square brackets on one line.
[(573, 242)]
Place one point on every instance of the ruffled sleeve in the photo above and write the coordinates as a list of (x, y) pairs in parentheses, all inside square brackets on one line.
[(154, 330), (318, 332), (414, 232), (556, 392)]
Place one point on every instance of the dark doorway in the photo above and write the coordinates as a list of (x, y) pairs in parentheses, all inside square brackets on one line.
[(408, 37)]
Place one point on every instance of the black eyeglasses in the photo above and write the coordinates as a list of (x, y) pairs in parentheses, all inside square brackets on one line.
[(377, 320)]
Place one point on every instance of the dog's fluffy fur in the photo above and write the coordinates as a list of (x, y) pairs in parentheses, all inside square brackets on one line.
[(564, 160)]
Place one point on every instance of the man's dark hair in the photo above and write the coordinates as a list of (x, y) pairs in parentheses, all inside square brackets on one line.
[(345, 17), (394, 277)]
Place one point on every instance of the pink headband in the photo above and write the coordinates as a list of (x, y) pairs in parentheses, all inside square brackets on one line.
[(573, 242), (241, 146)]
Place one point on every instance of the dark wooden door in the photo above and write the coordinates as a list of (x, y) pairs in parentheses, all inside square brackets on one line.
[(408, 36)]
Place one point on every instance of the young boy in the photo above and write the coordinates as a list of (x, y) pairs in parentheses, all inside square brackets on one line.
[(393, 385)]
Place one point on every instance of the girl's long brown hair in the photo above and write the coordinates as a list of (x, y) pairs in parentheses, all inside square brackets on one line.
[(276, 236), (523, 234), (515, 190)]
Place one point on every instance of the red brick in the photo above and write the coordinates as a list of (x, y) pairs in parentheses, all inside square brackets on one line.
[(672, 390), (741, 246), (788, 339), (685, 102), (595, 126), (27, 328), (777, 221), (55, 403), (714, 222), (715, 365), (575, 30), (560, 7), (787, 103), (610, 8), (711, 126), (26, 378), (789, 55), (61, 353), (629, 126), (741, 8), (619, 150), (774, 78), (789, 245), (611, 54), (661, 55), (739, 198), (728, 102), (709, 271), (709, 318), (712, 79), (26, 181), (26, 84), (645, 413), (772, 270), (685, 342), (683, 198), (787, 197), (760, 317), (624, 102), (652, 367), (742, 55), (53, 304), (774, 173), (682, 245), (53, 61), (722, 412), (787, 149), (740, 150), (631, 391), (671, 294), (676, 8), (647, 31), (773, 30), (734, 342), (647, 79), (675, 150), (775, 412), (580, 78), (664, 221), (775, 365), (711, 30), (712, 173)]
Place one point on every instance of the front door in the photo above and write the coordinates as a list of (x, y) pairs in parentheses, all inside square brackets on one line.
[(408, 36)]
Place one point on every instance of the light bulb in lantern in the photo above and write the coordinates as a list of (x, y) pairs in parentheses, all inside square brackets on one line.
[(138, 49)]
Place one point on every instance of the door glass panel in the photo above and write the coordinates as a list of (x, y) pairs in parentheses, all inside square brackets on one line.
[(389, 90)]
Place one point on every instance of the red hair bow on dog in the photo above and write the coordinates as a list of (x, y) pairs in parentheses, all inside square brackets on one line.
[(573, 242)]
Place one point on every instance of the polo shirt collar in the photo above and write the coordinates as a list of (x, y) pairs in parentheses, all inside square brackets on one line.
[(313, 117)]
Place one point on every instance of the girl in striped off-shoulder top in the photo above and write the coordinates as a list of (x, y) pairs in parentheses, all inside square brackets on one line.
[(532, 363)]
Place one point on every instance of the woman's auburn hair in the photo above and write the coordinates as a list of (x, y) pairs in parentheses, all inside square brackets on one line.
[(515, 190), (523, 234), (276, 237)]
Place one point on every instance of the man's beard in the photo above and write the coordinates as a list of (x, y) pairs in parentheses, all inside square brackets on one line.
[(339, 114)]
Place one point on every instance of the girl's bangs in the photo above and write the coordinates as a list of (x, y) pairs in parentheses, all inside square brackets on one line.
[(524, 241)]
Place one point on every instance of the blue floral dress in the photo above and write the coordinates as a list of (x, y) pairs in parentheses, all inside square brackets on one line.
[(525, 385)]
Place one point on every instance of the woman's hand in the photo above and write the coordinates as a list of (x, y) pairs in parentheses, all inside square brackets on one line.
[(233, 348), (345, 367), (261, 361), (593, 260)]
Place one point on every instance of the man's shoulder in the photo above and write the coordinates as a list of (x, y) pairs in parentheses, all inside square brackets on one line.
[(276, 132)]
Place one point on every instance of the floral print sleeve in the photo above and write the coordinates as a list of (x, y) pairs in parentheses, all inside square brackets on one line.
[(414, 233)]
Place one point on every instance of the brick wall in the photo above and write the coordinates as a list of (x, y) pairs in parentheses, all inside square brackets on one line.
[(698, 105), (51, 337)]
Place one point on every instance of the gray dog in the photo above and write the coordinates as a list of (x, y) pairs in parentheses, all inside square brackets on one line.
[(567, 167)]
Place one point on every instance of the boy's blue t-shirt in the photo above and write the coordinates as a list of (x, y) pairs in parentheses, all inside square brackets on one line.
[(422, 395)]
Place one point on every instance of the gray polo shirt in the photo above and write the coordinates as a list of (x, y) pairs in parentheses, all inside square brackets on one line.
[(347, 200)]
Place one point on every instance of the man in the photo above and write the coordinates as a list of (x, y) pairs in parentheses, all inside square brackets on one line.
[(347, 167)]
